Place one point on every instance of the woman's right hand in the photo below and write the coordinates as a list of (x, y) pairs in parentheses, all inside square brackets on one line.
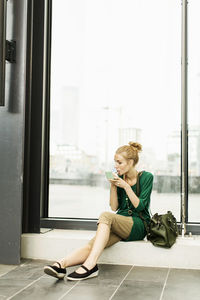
[(113, 182)]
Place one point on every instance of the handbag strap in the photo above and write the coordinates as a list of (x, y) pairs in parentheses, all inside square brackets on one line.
[(138, 194), (138, 183)]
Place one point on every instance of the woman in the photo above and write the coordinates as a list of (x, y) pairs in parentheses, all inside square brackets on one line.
[(124, 225)]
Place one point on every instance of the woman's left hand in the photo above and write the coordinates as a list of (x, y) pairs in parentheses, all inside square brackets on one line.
[(119, 182)]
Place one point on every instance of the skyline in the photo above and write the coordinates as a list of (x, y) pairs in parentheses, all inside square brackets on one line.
[(123, 64)]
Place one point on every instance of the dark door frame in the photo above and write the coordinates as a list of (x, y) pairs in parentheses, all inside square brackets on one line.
[(36, 119)]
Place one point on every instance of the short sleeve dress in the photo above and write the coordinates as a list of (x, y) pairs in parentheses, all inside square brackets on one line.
[(138, 231)]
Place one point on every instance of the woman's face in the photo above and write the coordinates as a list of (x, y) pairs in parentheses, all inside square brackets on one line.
[(122, 165)]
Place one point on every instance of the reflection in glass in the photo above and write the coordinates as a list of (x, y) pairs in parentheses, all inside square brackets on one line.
[(115, 78)]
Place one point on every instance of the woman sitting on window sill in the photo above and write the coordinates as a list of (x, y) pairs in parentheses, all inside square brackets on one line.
[(125, 224)]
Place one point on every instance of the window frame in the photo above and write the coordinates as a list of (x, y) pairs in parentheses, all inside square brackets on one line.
[(38, 176)]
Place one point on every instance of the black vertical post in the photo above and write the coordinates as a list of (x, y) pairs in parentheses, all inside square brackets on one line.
[(34, 117)]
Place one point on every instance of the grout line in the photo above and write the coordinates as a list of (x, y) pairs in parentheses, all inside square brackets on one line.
[(164, 285), (21, 265), (68, 291), (24, 288), (120, 283), (8, 271), (25, 263)]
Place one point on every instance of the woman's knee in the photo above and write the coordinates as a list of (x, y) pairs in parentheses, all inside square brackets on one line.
[(106, 214), (106, 217)]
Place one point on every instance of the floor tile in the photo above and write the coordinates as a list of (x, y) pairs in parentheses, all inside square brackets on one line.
[(25, 260), (182, 284), (47, 288), (139, 290), (109, 275), (90, 292), (9, 287), (28, 282), (148, 274), (20, 277), (6, 268), (24, 271), (39, 262)]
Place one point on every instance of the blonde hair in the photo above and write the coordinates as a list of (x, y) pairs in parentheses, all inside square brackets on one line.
[(130, 151)]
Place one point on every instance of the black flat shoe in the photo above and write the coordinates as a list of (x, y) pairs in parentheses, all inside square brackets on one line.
[(88, 274), (54, 271)]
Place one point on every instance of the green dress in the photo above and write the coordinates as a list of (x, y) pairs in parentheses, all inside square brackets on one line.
[(138, 231)]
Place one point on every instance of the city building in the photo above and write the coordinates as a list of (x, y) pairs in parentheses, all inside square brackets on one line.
[(173, 151), (129, 134)]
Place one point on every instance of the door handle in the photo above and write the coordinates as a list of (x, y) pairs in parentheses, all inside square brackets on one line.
[(3, 6)]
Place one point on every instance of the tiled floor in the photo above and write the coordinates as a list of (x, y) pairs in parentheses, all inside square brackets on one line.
[(27, 281)]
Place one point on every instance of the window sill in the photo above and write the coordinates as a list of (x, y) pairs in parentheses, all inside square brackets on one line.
[(55, 244)]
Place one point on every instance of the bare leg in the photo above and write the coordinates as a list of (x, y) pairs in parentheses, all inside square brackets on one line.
[(100, 242), (76, 257)]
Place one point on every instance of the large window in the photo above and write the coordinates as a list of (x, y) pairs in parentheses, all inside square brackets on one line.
[(115, 78)]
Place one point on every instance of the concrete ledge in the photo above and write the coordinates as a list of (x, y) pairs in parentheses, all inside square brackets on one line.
[(55, 244)]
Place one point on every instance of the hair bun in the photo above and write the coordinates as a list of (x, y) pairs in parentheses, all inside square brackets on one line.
[(136, 146)]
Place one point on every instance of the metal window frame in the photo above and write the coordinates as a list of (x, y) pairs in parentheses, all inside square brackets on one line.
[(41, 177), (184, 117), (36, 117), (91, 224)]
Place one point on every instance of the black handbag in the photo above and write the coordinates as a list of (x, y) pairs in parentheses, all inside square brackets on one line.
[(162, 230)]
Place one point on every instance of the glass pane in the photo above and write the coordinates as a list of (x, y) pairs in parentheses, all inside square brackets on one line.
[(115, 78), (194, 111)]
